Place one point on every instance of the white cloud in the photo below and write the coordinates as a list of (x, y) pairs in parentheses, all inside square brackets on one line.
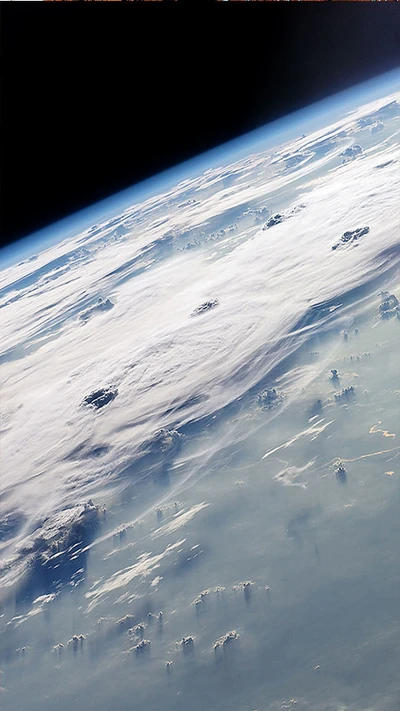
[(170, 368)]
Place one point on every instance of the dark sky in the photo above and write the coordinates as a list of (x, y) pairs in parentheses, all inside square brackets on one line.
[(98, 96)]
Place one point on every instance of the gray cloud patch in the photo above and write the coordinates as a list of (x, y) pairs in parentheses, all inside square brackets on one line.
[(206, 306), (99, 307), (351, 236), (101, 397)]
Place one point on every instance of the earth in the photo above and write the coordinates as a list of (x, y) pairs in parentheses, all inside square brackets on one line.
[(199, 432)]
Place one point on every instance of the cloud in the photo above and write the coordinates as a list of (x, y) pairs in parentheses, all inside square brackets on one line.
[(351, 236), (275, 290), (100, 306), (52, 553), (206, 306), (145, 565), (100, 398), (352, 152)]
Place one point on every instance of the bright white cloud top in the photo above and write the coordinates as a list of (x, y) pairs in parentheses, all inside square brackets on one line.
[(285, 250)]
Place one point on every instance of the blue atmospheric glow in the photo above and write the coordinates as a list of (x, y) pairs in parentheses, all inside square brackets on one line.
[(279, 131)]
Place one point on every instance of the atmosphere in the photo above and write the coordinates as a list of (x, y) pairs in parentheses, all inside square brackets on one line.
[(96, 98)]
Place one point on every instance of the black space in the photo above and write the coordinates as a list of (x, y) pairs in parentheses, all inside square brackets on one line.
[(96, 97)]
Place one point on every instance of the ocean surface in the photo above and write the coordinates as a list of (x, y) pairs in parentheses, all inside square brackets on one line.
[(199, 441)]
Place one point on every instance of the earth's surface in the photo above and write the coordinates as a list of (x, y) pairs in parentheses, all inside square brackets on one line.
[(199, 438)]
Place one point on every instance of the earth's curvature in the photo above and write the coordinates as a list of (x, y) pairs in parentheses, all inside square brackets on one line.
[(199, 439)]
